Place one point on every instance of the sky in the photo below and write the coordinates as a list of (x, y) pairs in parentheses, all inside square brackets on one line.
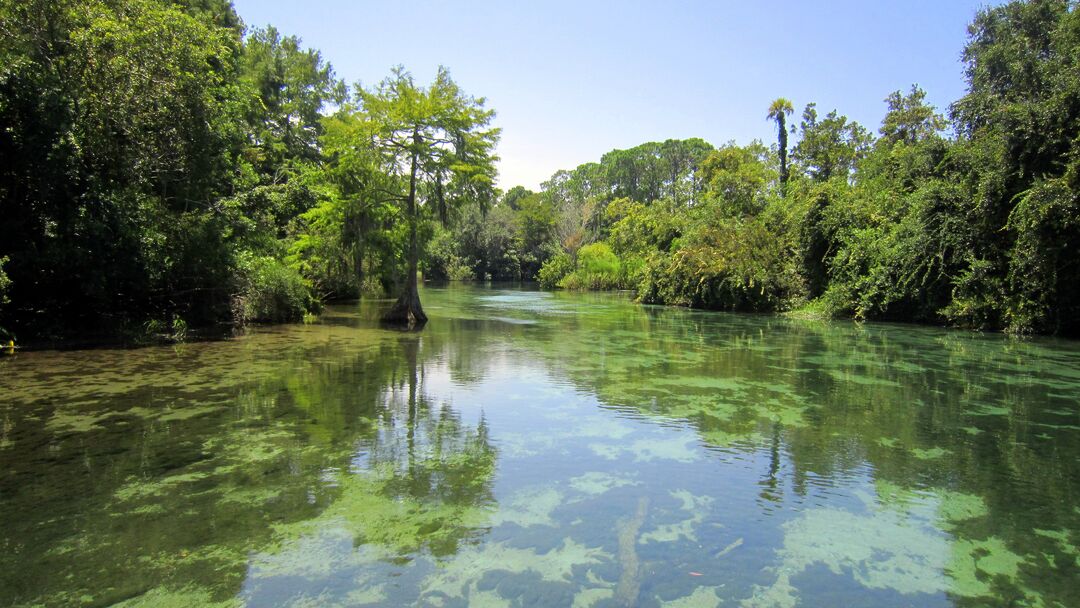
[(572, 80)]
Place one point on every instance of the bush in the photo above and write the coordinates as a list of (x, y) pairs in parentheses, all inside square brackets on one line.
[(733, 266), (442, 262), (554, 270), (270, 292), (597, 268)]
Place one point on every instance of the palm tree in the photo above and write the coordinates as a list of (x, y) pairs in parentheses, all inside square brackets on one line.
[(779, 110)]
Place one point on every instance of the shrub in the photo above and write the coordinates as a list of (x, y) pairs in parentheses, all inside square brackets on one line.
[(732, 266), (597, 268), (270, 291), (554, 270)]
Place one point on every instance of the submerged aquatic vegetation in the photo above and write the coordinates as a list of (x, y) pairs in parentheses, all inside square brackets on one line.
[(502, 463), (697, 508), (460, 575), (178, 598), (901, 545)]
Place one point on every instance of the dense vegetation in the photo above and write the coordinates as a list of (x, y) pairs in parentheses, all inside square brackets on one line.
[(972, 220), (164, 167)]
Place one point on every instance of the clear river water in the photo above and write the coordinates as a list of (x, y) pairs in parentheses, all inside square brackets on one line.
[(545, 449)]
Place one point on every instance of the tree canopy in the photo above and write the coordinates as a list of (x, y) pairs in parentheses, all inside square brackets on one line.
[(436, 146), (164, 166)]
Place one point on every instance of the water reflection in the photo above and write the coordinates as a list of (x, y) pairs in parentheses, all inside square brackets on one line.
[(163, 472), (557, 449)]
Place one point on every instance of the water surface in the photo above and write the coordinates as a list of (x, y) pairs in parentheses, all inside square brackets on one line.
[(545, 449)]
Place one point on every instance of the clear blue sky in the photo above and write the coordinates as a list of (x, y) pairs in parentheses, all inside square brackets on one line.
[(572, 80)]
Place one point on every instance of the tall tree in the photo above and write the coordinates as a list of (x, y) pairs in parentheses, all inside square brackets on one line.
[(118, 121), (910, 119), (1020, 124), (779, 110), (291, 87), (830, 146), (437, 144)]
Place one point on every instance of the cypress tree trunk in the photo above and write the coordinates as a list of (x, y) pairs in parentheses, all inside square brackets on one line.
[(406, 311)]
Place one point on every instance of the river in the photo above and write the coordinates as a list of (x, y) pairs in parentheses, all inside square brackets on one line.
[(532, 448)]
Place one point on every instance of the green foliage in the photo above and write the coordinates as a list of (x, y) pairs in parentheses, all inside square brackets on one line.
[(738, 178), (350, 241), (1019, 129), (435, 146), (829, 147), (120, 120), (443, 261), (270, 292), (5, 287), (976, 230), (158, 165), (637, 229), (508, 242), (779, 110), (910, 119), (5, 282), (289, 87), (733, 265), (555, 269), (488, 243), (597, 267), (1043, 279)]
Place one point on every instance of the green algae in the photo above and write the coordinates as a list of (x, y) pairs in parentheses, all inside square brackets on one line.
[(589, 597), (929, 453), (291, 466), (136, 489), (897, 548), (76, 422), (723, 439), (399, 524), (862, 379), (595, 483), (529, 507), (457, 577), (975, 564), (702, 597), (178, 598), (780, 594), (882, 551), (717, 384), (958, 506), (686, 528), (1062, 539), (990, 410)]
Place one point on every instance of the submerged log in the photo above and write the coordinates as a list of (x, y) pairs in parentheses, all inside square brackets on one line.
[(629, 587)]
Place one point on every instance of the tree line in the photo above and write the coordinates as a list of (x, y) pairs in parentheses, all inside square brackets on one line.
[(969, 219), (164, 166)]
